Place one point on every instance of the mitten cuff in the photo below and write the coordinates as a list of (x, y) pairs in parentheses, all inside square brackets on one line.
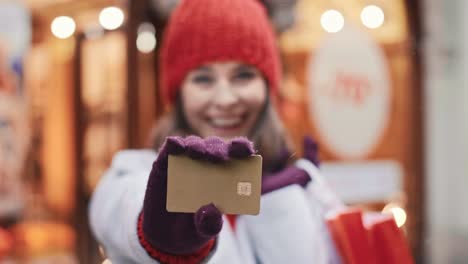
[(163, 257)]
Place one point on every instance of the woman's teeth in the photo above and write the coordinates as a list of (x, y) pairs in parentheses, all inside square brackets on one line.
[(226, 122)]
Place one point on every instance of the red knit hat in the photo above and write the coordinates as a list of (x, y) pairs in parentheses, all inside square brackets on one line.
[(206, 31)]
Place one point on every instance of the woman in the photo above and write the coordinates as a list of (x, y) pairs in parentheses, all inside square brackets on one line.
[(220, 72)]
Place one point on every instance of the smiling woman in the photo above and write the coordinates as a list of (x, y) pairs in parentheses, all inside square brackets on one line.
[(236, 115), (225, 87), (219, 75), (223, 99)]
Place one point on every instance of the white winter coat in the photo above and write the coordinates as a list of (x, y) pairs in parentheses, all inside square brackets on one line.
[(289, 229)]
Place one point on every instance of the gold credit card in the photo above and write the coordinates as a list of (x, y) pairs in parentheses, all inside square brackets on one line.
[(234, 186)]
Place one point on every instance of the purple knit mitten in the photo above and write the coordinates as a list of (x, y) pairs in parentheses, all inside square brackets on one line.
[(311, 151), (185, 233), (291, 174)]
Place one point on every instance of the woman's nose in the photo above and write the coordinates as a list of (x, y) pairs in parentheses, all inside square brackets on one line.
[(225, 96)]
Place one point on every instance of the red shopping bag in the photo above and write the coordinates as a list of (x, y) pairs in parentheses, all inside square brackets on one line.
[(387, 240), (350, 236), (368, 239)]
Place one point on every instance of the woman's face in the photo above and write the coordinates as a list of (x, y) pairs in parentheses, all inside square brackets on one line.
[(223, 99)]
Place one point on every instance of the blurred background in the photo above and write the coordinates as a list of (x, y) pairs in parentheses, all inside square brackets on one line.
[(381, 85)]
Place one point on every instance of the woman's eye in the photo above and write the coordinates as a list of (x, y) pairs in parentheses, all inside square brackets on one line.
[(246, 75), (202, 79)]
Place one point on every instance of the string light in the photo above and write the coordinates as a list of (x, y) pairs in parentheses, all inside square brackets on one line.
[(398, 213), (111, 18), (372, 16), (332, 21), (146, 39), (63, 27)]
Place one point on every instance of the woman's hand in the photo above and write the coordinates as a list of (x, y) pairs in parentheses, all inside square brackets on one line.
[(311, 151), (292, 174), (185, 233)]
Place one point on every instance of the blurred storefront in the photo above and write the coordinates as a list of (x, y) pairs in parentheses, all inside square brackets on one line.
[(352, 81), (80, 111), (88, 88)]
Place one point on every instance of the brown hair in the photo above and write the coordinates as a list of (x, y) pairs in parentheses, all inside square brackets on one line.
[(268, 134)]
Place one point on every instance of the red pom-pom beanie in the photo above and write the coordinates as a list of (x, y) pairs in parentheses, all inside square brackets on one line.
[(206, 31)]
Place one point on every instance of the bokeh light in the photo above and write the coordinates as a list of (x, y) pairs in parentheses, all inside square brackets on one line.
[(332, 21), (398, 213), (372, 16), (63, 27), (146, 39), (111, 18)]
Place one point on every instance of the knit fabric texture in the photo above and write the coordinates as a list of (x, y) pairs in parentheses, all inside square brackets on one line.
[(180, 234), (206, 31), (193, 258)]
